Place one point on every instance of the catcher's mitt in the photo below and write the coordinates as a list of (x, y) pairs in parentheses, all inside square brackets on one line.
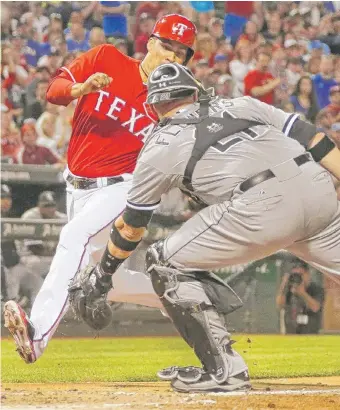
[(88, 300)]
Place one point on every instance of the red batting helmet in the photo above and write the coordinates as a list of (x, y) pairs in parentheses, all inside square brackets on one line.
[(177, 28)]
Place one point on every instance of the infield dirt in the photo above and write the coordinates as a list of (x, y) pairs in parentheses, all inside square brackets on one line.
[(300, 393)]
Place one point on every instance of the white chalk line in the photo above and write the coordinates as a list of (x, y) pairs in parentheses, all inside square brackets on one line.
[(186, 400)]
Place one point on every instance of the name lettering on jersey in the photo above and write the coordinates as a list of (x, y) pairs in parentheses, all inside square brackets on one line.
[(132, 123), (179, 28), (214, 127)]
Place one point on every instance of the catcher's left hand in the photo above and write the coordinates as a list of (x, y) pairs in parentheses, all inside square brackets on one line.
[(87, 301)]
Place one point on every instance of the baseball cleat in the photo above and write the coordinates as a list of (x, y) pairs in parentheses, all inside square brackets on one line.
[(22, 330), (189, 373), (206, 384)]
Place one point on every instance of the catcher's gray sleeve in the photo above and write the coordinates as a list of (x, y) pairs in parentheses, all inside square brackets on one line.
[(148, 185), (253, 109)]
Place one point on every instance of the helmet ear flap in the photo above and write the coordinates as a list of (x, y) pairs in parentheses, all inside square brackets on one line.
[(190, 53)]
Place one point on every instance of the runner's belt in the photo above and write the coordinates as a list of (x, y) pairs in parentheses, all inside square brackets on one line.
[(92, 183)]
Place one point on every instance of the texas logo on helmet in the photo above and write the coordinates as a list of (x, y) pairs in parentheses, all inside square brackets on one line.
[(178, 28)]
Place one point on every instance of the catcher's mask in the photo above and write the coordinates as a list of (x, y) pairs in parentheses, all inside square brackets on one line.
[(172, 81)]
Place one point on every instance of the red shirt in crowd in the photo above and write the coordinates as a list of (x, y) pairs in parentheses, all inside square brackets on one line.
[(35, 155), (141, 42), (334, 109), (199, 56), (257, 78), (240, 8), (110, 125), (10, 144)]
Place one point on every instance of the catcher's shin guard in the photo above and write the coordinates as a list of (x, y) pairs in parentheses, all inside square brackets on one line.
[(198, 321)]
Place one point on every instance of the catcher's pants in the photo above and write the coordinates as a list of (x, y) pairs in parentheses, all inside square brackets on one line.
[(298, 210), (84, 237)]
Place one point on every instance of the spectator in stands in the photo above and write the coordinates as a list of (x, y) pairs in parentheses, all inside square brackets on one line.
[(97, 37), (215, 29), (302, 300), (60, 49), (225, 86), (146, 24), (91, 14), (56, 24), (202, 71), (304, 99), (10, 136), (205, 49), (31, 152), (53, 60), (78, 39), (251, 34), (241, 66), (274, 25), (324, 81), (313, 66), (293, 48), (324, 120), (221, 63), (114, 18), (47, 131), (294, 71), (22, 283), (335, 134), (240, 8), (337, 69), (36, 108), (260, 83), (316, 48), (122, 45), (40, 21), (46, 209), (334, 106), (40, 74), (14, 75)]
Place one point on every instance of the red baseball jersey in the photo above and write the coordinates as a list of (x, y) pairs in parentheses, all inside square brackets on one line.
[(110, 125)]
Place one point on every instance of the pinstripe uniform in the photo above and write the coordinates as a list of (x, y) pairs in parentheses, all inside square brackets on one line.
[(296, 209)]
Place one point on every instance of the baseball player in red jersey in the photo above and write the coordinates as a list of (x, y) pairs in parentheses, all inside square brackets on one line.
[(109, 126)]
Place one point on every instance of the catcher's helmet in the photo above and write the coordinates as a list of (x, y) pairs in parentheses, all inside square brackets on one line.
[(177, 28), (171, 81)]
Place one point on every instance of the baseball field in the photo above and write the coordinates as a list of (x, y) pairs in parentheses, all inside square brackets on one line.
[(288, 372)]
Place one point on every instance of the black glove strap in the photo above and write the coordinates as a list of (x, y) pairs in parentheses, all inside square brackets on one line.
[(108, 263)]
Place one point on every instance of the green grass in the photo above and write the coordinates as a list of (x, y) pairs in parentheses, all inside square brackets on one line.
[(138, 359)]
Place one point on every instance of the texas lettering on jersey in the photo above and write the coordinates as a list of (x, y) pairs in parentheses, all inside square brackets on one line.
[(110, 125), (137, 123)]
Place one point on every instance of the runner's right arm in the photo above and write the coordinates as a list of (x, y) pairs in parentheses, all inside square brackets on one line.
[(83, 76)]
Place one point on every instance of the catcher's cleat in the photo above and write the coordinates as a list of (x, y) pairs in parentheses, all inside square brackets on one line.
[(206, 384), (188, 373), (21, 329), (87, 293)]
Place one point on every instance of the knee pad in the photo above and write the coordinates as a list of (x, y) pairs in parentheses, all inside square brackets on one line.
[(154, 255)]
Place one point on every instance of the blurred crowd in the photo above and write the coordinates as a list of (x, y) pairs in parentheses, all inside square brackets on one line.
[(285, 53)]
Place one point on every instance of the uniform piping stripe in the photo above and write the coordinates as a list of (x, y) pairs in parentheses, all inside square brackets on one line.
[(289, 123), (143, 207), (69, 73)]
